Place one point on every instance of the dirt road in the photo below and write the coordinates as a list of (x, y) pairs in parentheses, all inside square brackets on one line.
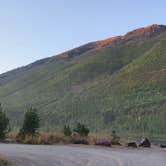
[(40, 155)]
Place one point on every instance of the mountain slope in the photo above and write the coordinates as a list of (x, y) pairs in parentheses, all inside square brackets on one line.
[(117, 83)]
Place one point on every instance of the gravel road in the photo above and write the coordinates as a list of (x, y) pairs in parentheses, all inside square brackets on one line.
[(41, 155)]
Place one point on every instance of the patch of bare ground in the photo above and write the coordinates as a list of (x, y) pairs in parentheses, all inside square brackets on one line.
[(5, 162)]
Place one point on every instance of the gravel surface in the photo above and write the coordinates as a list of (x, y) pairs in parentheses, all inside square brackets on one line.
[(42, 155)]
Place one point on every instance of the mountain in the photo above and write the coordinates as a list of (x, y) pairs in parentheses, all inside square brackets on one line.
[(118, 83)]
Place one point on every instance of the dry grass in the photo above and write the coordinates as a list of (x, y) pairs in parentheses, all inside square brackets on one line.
[(51, 138), (12, 136)]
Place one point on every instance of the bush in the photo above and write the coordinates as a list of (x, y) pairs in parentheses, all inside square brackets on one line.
[(81, 130), (115, 138), (4, 123), (67, 131)]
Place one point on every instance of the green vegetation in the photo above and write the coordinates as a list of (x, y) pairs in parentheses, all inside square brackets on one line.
[(4, 123), (115, 137), (120, 87), (67, 131), (30, 124), (81, 130)]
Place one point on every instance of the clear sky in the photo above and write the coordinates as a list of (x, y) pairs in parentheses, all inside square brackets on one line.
[(34, 29)]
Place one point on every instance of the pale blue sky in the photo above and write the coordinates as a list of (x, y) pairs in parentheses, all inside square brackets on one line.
[(35, 29)]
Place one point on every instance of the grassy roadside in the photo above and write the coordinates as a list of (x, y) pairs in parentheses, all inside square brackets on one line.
[(55, 138), (50, 138)]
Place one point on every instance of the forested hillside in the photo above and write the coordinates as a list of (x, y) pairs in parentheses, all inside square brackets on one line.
[(115, 83)]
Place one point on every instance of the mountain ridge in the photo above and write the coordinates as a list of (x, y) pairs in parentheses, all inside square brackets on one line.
[(151, 29)]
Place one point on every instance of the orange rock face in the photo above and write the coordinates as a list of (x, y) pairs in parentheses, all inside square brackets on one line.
[(107, 41), (137, 34)]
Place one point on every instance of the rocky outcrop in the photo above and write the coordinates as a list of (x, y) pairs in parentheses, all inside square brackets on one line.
[(163, 145), (145, 143)]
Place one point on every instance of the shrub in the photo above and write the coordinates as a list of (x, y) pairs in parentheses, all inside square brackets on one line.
[(81, 130), (115, 138), (67, 130)]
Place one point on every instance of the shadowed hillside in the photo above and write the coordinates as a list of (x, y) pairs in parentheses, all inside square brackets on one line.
[(117, 83)]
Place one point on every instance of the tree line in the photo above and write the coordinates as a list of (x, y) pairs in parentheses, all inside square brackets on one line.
[(31, 125)]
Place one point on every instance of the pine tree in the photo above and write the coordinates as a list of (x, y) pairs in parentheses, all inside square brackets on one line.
[(4, 123), (31, 123)]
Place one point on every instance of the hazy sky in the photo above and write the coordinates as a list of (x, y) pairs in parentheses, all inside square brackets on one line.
[(35, 29)]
